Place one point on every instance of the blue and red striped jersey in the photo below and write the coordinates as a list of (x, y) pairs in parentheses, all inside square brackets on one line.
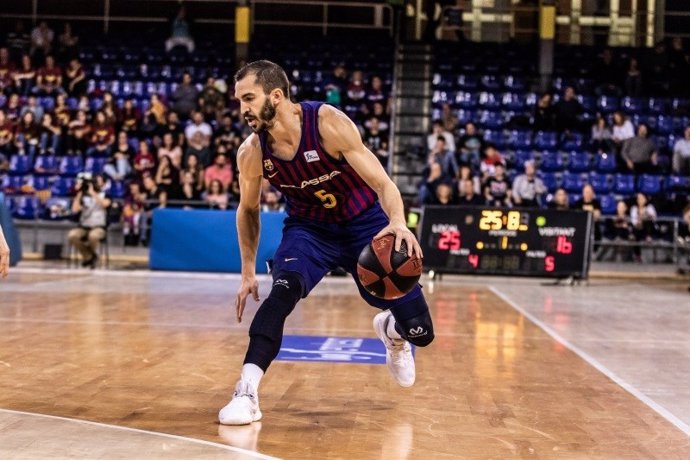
[(316, 186)]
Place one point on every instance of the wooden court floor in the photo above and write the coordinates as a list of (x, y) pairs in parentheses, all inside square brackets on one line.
[(161, 353)]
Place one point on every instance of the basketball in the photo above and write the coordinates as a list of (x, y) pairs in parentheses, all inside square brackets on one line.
[(385, 272)]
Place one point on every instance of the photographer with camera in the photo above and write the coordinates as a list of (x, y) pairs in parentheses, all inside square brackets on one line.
[(92, 206)]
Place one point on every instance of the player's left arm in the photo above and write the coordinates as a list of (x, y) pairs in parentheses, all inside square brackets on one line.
[(339, 135)]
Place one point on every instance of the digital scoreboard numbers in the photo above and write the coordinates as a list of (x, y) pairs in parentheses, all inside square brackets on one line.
[(497, 241)]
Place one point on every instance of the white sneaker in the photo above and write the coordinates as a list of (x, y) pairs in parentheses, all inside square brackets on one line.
[(244, 407), (398, 352)]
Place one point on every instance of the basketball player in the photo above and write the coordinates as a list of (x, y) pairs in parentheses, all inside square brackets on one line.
[(4, 255), (338, 199)]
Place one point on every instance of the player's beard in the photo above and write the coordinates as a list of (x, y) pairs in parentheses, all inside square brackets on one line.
[(266, 116)]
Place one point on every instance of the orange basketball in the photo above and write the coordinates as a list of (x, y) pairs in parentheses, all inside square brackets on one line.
[(385, 272)]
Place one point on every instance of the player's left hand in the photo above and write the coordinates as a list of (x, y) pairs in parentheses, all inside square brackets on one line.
[(402, 233), (4, 260)]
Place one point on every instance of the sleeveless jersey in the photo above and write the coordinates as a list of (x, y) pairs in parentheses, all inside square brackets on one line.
[(316, 186)]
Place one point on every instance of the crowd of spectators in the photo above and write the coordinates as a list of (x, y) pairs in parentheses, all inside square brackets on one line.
[(178, 150)]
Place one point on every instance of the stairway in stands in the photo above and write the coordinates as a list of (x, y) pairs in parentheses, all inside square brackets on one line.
[(411, 116)]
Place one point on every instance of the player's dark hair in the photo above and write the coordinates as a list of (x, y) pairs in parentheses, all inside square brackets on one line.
[(268, 74)]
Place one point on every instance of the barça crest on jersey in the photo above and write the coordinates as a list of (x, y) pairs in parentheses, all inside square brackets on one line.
[(311, 155), (268, 165)]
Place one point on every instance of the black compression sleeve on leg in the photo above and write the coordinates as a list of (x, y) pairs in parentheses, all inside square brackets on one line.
[(413, 322), (266, 330)]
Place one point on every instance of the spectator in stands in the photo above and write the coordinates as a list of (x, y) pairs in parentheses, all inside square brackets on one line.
[(528, 188), (216, 195), (468, 195), (567, 111), (195, 146), (62, 113), (356, 89), (180, 32), (444, 195), (6, 135), (48, 79), (544, 117), (91, 204), (4, 162), (6, 71), (492, 158), (173, 127), (144, 161), (449, 119), (445, 157), (642, 218), (171, 150), (119, 166), (434, 177), (109, 109), (34, 107), (42, 40), (606, 75), (376, 141), (465, 175), (67, 43), (50, 135), (623, 130), (270, 201), (376, 93), (75, 79), (640, 152), (633, 79), (128, 117), (27, 136), (25, 76), (168, 177), (214, 101), (158, 109), (193, 167), (199, 125), (560, 200), (220, 170), (102, 136), (336, 85), (133, 213), (438, 130), (184, 97), (227, 134), (601, 135), (617, 230), (681, 154), (590, 203), (188, 189), (471, 145), (78, 133), (497, 188), (13, 108), (18, 41)]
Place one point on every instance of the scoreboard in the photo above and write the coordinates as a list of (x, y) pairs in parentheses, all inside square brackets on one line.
[(502, 241)]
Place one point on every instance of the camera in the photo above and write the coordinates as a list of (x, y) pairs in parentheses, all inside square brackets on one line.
[(84, 180)]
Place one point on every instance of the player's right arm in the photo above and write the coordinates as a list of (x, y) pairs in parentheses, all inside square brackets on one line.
[(248, 223)]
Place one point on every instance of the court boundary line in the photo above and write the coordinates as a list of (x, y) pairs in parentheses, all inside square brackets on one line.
[(154, 433), (656, 407)]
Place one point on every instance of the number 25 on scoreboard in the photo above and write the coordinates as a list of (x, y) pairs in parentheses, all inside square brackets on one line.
[(449, 241)]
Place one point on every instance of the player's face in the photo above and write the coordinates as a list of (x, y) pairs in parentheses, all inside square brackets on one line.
[(256, 107)]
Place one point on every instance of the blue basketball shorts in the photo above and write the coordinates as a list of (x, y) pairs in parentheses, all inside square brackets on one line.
[(312, 249)]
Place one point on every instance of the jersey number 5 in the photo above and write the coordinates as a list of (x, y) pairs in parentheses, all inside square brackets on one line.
[(328, 199)]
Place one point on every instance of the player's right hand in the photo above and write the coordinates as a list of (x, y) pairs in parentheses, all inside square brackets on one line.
[(248, 286)]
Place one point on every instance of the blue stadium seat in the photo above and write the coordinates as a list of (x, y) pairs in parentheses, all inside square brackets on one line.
[(39, 182), (545, 140), (13, 184), (606, 162), (26, 207), (601, 183), (19, 165), (441, 97), (466, 116), (491, 120), (70, 166), (649, 184), (466, 100), (624, 184), (95, 165), (664, 124), (589, 103), (513, 101), (551, 181), (62, 186), (579, 161), (489, 101), (513, 83), (657, 105), (572, 141), (608, 104), (521, 156), (678, 184), (117, 189), (520, 139), (573, 183), (491, 82), (631, 105), (551, 162), (608, 204), (46, 164)]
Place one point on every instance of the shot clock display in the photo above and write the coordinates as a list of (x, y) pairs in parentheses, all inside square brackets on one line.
[(494, 241)]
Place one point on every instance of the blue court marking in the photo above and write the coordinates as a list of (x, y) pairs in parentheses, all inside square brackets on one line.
[(332, 349)]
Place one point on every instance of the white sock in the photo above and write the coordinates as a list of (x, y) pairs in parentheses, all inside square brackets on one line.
[(390, 330), (252, 373)]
